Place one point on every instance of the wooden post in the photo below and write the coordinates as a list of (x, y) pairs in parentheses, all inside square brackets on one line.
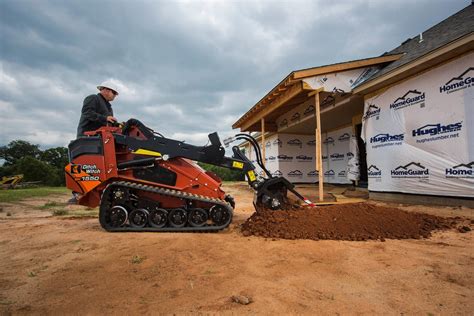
[(263, 140), (319, 154)]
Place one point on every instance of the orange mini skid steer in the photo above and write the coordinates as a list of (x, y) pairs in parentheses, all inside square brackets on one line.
[(142, 181)]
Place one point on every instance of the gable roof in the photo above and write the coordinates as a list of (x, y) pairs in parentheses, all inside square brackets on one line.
[(454, 27)]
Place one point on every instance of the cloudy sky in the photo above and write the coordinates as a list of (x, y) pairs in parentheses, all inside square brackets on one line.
[(185, 68)]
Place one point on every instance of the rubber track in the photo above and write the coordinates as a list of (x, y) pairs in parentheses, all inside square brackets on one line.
[(161, 191)]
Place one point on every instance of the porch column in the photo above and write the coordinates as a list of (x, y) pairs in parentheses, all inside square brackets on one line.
[(263, 139), (319, 154)]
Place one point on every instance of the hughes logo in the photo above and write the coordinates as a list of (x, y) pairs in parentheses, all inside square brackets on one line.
[(304, 158), (436, 129), (295, 142), (460, 82), (284, 158), (374, 172), (383, 140), (411, 170), (277, 142), (277, 173), (410, 98), (461, 171), (284, 123), (328, 140), (372, 111), (337, 156), (313, 173), (295, 173), (309, 110), (311, 143), (295, 117), (344, 137)]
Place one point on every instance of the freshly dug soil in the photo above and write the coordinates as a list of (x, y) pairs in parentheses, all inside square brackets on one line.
[(355, 221)]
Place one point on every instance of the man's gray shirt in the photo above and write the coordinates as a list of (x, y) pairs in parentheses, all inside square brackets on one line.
[(94, 113)]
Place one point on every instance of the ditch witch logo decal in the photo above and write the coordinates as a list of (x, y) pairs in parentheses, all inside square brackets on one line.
[(372, 111), (432, 132), (460, 82), (295, 142), (295, 173), (309, 110), (461, 171), (374, 172), (412, 97), (277, 142), (411, 170), (344, 137), (382, 140)]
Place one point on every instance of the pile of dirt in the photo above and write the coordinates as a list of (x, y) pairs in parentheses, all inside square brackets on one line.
[(355, 221)]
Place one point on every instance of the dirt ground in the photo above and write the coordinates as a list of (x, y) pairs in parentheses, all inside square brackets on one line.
[(60, 265)]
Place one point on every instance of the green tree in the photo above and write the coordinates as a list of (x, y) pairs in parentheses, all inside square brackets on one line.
[(224, 173), (18, 149), (36, 170), (56, 157)]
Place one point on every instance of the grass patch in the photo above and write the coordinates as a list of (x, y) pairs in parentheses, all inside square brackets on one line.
[(21, 194), (49, 205), (137, 259), (76, 213), (60, 212)]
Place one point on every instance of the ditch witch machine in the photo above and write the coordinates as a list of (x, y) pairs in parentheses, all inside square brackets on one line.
[(143, 181)]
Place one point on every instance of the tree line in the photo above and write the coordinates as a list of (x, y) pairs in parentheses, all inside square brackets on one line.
[(47, 166)]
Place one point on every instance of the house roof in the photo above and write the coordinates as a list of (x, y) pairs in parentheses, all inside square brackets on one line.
[(297, 75), (454, 27)]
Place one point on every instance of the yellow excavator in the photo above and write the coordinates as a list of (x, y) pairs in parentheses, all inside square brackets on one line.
[(10, 182)]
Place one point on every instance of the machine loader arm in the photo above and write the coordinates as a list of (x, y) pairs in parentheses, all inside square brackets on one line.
[(270, 192)]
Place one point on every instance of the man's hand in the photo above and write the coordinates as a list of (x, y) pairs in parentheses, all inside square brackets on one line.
[(111, 119)]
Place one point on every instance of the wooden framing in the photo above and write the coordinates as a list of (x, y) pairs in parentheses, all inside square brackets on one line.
[(319, 159), (289, 93), (292, 85), (344, 66), (263, 140)]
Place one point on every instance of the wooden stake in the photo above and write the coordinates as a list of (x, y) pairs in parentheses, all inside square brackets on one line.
[(263, 139), (319, 154)]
